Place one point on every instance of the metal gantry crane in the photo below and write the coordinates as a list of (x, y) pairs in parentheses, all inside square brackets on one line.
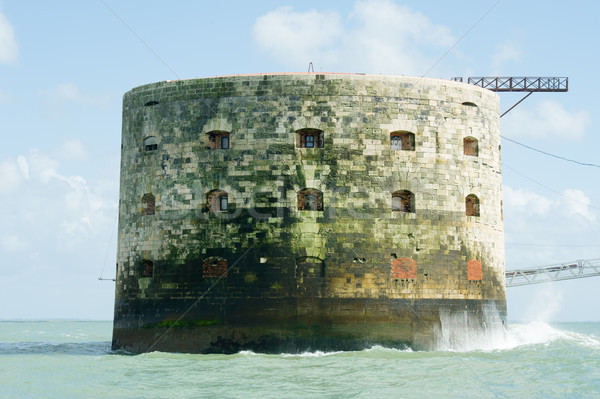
[(529, 85), (555, 272)]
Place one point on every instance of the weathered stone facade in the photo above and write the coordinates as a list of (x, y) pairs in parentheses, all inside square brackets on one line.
[(221, 249)]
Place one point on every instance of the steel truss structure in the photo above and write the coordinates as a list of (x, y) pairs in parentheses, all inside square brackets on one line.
[(556, 272), (527, 84)]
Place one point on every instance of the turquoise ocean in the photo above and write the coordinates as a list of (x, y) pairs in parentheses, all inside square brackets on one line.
[(73, 359)]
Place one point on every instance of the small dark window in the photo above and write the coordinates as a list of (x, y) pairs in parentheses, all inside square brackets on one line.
[(310, 199), (402, 140), (223, 203), (151, 103), (218, 140), (472, 205), (147, 268), (214, 267), (309, 138), (150, 143), (149, 204), (470, 146), (217, 201), (469, 104), (224, 142), (403, 201)]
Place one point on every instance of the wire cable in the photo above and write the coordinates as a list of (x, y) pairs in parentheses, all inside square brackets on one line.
[(462, 37), (551, 155), (549, 188), (140, 38)]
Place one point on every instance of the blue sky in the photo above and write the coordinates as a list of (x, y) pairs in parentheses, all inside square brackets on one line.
[(65, 65)]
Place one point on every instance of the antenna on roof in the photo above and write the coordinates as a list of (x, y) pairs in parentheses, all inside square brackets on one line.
[(311, 68)]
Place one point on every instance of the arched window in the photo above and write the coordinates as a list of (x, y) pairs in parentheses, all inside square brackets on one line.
[(310, 199), (469, 104), (151, 103), (310, 266), (309, 138), (402, 140), (217, 201), (403, 201), (149, 204), (472, 205), (218, 140), (150, 143), (214, 267), (470, 146), (147, 268)]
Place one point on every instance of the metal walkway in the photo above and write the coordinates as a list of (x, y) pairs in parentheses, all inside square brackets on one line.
[(556, 272)]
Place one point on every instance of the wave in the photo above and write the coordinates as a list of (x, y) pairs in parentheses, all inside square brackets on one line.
[(49, 348)]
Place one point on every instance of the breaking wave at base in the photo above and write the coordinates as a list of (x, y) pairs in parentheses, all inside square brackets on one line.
[(461, 332)]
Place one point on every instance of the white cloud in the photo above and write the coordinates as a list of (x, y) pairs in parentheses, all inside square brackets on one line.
[(578, 205), (524, 201), (548, 119), (23, 166), (9, 50), (70, 92), (505, 52), (10, 177), (12, 243), (297, 38), (72, 150), (379, 36)]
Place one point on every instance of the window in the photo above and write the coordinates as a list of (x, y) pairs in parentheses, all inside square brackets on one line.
[(404, 269), (469, 104), (402, 140), (470, 146), (151, 103), (310, 267), (310, 199), (472, 205), (224, 142), (403, 201), (217, 201), (149, 204), (147, 268), (474, 270), (309, 138), (214, 267), (218, 140), (150, 143)]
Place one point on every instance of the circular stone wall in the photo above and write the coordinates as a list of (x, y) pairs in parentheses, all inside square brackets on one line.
[(306, 211)]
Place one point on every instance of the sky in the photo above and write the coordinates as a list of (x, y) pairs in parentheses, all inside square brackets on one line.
[(65, 65)]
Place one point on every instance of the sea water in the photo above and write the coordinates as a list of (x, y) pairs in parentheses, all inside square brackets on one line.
[(73, 359)]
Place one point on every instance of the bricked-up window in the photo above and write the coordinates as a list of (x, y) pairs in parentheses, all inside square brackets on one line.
[(403, 201), (149, 204), (404, 269), (310, 199), (218, 140), (214, 267), (309, 138), (150, 143), (402, 140), (147, 268), (474, 270), (217, 201), (310, 266), (470, 146), (472, 205)]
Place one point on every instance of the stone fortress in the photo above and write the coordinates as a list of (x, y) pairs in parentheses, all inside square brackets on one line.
[(291, 212)]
